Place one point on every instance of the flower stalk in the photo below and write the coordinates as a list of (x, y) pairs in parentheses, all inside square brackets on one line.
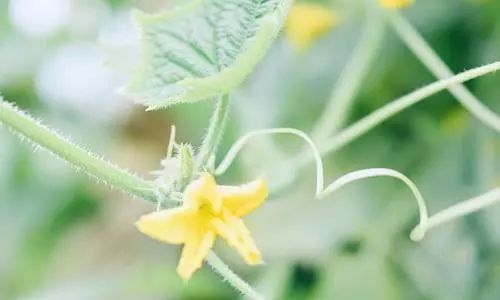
[(232, 278)]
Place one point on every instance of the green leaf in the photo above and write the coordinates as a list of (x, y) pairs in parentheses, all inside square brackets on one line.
[(203, 49)]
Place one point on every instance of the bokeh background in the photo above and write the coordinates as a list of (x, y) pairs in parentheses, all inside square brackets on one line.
[(64, 237)]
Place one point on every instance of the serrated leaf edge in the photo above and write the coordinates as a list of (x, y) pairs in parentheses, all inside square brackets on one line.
[(141, 19), (198, 89)]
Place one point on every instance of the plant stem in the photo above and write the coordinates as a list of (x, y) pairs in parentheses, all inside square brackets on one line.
[(379, 172), (347, 86), (380, 115), (214, 134), (24, 125), (233, 279), (242, 141), (456, 211), (438, 68)]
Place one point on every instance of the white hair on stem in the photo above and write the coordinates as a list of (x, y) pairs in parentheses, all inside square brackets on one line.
[(232, 278)]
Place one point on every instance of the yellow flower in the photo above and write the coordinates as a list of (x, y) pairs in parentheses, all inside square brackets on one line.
[(308, 22), (208, 210), (394, 4)]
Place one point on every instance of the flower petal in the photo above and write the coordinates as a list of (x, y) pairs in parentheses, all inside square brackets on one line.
[(203, 191), (171, 226), (234, 231), (395, 4), (194, 252), (308, 22), (243, 199)]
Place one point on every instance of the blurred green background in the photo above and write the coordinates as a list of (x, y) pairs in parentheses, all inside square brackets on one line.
[(64, 237)]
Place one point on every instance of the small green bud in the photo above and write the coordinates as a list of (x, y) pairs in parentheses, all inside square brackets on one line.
[(187, 164)]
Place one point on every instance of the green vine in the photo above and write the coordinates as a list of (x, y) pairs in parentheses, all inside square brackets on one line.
[(41, 136), (214, 65)]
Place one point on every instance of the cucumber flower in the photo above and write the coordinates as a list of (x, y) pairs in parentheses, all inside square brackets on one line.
[(395, 4), (308, 22), (208, 210)]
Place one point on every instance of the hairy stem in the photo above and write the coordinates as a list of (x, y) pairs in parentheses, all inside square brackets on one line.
[(347, 86), (231, 277), (214, 134), (27, 127), (435, 64)]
